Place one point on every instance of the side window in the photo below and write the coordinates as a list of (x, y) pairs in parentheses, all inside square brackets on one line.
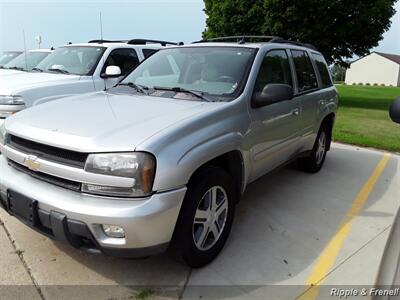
[(322, 67), (148, 52), (274, 69), (124, 58), (306, 78)]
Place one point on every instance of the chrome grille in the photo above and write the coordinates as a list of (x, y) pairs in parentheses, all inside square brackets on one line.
[(50, 153)]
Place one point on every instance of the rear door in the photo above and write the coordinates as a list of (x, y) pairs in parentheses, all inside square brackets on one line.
[(309, 95), (274, 132)]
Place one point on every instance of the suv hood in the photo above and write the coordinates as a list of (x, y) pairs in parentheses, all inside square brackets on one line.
[(16, 82), (9, 72), (101, 122)]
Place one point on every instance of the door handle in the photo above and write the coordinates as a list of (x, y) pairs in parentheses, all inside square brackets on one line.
[(296, 112)]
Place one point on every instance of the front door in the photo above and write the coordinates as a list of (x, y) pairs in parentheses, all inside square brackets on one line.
[(125, 58), (275, 129)]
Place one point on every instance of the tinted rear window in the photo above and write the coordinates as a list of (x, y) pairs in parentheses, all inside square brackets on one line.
[(306, 78), (323, 70)]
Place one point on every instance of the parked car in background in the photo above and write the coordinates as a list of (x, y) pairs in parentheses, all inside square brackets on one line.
[(73, 69), (26, 61), (162, 158), (7, 56)]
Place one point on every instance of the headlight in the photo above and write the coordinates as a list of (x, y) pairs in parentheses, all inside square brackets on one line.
[(11, 100), (137, 165)]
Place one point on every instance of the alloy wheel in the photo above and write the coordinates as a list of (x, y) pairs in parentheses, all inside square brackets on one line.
[(210, 218), (321, 147)]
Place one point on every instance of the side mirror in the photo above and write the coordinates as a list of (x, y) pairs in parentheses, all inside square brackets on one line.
[(112, 71), (394, 111), (272, 93)]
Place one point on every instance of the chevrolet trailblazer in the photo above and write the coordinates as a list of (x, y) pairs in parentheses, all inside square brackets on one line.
[(160, 160)]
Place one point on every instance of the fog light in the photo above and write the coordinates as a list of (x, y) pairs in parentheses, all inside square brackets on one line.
[(113, 231)]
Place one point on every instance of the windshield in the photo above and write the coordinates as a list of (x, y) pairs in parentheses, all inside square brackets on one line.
[(79, 60), (7, 56), (215, 71), (32, 59)]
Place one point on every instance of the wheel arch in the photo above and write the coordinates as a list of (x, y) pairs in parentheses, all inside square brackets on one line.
[(329, 121), (232, 162)]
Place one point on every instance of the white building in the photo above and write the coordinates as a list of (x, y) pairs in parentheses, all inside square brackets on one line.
[(375, 68)]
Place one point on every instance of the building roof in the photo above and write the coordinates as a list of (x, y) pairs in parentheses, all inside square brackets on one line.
[(393, 57)]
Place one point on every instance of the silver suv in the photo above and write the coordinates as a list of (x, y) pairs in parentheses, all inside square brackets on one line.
[(161, 159), (73, 69)]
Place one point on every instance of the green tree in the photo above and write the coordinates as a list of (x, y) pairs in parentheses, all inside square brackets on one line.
[(338, 73), (338, 28)]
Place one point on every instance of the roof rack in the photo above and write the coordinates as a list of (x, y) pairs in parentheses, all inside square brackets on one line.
[(242, 39), (283, 41), (146, 41), (106, 41)]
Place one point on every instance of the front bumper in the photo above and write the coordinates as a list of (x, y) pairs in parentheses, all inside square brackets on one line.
[(68, 215)]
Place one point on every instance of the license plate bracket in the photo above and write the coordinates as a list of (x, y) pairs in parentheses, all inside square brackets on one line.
[(23, 208)]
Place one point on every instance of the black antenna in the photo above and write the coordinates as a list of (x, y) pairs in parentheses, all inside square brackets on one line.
[(101, 29), (26, 54), (101, 42)]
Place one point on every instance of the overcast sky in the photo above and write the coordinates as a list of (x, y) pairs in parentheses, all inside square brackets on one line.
[(63, 21)]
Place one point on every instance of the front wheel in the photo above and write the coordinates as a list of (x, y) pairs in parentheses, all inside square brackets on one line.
[(315, 161), (206, 217)]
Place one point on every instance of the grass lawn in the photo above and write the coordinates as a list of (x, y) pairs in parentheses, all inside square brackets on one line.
[(363, 117)]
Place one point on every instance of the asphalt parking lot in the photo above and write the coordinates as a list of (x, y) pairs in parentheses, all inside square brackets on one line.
[(291, 230)]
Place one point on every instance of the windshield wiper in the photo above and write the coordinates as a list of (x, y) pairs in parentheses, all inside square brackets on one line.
[(140, 88), (177, 89), (37, 69), (58, 70), (16, 68)]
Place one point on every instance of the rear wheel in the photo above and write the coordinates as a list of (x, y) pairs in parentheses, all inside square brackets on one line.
[(206, 217), (315, 161)]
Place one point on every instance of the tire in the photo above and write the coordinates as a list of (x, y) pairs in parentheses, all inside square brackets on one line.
[(198, 242), (314, 162)]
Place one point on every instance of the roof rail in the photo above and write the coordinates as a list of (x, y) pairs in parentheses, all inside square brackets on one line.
[(241, 39), (146, 41), (296, 43), (106, 41)]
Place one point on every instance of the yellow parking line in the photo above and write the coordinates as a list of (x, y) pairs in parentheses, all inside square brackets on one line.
[(328, 256)]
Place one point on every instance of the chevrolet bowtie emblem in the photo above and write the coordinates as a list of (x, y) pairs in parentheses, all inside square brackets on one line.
[(31, 162)]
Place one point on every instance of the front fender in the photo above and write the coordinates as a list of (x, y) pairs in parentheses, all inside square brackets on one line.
[(170, 175), (185, 147)]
